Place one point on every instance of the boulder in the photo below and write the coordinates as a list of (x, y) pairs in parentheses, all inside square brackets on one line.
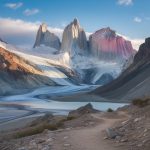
[(82, 111)]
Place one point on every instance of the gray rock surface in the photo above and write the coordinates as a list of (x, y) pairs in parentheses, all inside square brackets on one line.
[(45, 37), (74, 38)]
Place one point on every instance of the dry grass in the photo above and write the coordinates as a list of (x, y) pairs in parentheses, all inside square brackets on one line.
[(37, 129), (141, 102)]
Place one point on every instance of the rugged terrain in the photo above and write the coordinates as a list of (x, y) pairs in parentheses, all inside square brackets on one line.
[(86, 129), (134, 81), (17, 73)]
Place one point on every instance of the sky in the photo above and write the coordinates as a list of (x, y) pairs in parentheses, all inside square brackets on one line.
[(20, 19)]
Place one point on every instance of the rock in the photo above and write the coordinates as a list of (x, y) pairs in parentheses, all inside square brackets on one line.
[(105, 138), (124, 140), (137, 119), (107, 45), (111, 133), (22, 148), (117, 137), (40, 141), (82, 111), (67, 145), (66, 137), (45, 37), (49, 140), (46, 147), (74, 39)]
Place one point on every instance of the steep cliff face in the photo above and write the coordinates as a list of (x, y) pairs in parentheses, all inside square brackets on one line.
[(45, 37), (134, 82), (107, 45), (74, 39)]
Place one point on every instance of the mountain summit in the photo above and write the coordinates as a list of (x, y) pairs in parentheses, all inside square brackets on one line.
[(45, 37), (74, 38), (107, 45)]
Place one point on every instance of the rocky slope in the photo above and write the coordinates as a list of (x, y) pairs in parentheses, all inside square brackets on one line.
[(107, 45), (45, 37), (134, 132), (134, 81), (16, 74), (74, 39)]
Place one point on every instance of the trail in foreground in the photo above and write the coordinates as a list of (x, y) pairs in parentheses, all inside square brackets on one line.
[(90, 138)]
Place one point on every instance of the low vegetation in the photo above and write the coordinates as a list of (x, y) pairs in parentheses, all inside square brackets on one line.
[(36, 129), (110, 110), (141, 102)]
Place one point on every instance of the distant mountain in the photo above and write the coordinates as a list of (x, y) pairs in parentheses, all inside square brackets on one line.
[(75, 61), (134, 82), (74, 39), (107, 45), (45, 37)]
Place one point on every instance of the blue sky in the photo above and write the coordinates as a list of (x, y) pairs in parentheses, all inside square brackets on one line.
[(128, 17)]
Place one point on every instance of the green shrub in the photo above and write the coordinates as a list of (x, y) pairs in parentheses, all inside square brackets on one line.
[(141, 102), (110, 110)]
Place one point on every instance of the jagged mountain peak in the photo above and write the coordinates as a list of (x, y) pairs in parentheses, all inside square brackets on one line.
[(47, 38), (74, 38), (43, 27), (105, 33), (76, 21), (107, 45), (143, 54)]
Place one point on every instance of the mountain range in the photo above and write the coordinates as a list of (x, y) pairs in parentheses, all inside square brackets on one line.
[(134, 81), (76, 60)]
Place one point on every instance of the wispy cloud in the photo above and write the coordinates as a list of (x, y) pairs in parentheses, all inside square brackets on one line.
[(137, 19), (22, 33), (14, 5), (125, 2), (29, 12)]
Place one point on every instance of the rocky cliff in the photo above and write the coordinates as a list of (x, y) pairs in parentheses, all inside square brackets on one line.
[(74, 39), (134, 82), (45, 37), (107, 45)]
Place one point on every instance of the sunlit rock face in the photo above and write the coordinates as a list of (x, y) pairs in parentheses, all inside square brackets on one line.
[(74, 39), (45, 37), (107, 45)]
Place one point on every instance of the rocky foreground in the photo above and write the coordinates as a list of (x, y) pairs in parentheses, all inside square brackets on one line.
[(127, 128)]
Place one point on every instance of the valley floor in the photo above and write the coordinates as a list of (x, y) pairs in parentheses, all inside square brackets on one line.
[(88, 135)]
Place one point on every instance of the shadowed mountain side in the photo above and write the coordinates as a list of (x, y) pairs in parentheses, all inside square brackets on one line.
[(134, 81), (15, 81), (18, 74)]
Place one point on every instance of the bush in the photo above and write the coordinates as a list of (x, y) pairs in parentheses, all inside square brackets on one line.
[(141, 102), (38, 129), (110, 110), (70, 118)]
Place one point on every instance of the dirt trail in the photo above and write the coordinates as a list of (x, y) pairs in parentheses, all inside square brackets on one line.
[(89, 138)]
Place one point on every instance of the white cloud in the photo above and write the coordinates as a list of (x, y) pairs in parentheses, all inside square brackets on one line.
[(137, 19), (125, 2), (147, 18), (22, 33), (29, 12), (14, 5), (135, 42)]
